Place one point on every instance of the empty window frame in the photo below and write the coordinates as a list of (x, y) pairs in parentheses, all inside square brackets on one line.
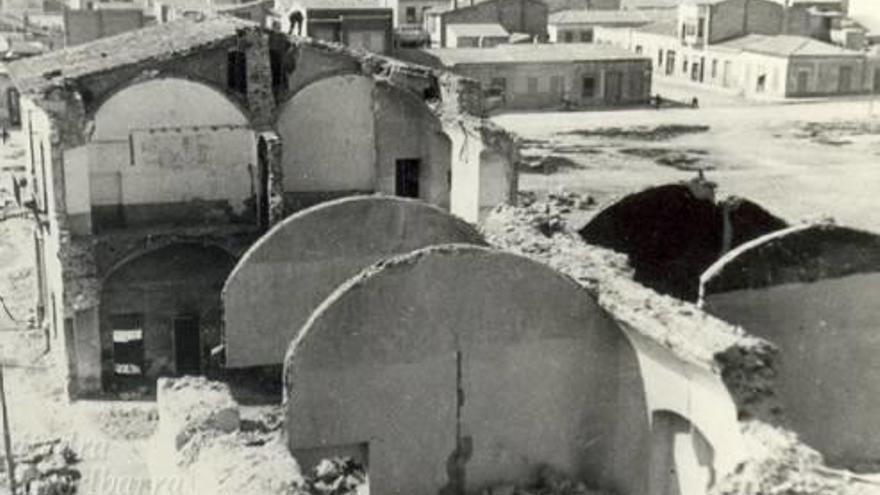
[(128, 344), (588, 88), (236, 71)]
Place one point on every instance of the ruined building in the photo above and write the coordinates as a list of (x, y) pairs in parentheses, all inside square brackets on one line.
[(158, 156)]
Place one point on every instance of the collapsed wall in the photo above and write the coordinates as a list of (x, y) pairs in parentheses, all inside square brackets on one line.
[(289, 271), (499, 364), (672, 233), (755, 453), (811, 290)]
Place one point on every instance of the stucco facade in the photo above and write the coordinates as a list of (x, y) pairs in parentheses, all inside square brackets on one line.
[(754, 49), (449, 344), (203, 145), (549, 76), (291, 269)]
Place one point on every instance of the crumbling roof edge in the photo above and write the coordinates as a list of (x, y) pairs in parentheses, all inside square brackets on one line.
[(326, 205)]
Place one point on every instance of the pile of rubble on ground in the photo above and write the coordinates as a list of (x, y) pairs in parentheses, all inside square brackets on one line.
[(550, 482), (337, 476), (204, 439), (778, 463), (46, 468)]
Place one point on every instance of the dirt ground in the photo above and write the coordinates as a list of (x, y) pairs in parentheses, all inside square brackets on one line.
[(801, 161)]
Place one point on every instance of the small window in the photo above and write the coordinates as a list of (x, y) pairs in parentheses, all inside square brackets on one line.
[(639, 49), (589, 87), (587, 36), (411, 15), (700, 27), (714, 68), (236, 71), (532, 84), (128, 344), (568, 37), (684, 65), (660, 57), (407, 177)]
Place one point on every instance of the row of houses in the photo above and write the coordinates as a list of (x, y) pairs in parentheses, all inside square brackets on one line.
[(754, 48)]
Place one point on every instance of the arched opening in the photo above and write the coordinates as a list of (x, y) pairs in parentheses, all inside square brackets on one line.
[(348, 134), (328, 139), (160, 314), (682, 460), (169, 151), (673, 233)]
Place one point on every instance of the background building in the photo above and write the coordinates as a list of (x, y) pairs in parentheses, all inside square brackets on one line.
[(359, 24), (515, 16), (547, 76)]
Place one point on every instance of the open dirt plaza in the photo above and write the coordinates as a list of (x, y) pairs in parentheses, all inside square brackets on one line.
[(799, 160)]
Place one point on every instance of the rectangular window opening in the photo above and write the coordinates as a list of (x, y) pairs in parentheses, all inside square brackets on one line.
[(407, 177), (128, 344), (237, 71)]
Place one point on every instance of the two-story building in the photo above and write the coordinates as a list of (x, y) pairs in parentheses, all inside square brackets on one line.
[(409, 20), (576, 26), (527, 17), (364, 24), (158, 156), (757, 49)]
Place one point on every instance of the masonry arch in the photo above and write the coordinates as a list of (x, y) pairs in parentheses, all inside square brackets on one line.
[(348, 133), (156, 103), (672, 233), (498, 362), (173, 149), (286, 274), (682, 459), (812, 291), (159, 313)]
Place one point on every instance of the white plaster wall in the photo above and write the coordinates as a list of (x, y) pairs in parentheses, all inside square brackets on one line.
[(170, 140), (694, 393), (494, 181), (76, 180), (464, 198), (160, 103), (328, 135), (829, 373)]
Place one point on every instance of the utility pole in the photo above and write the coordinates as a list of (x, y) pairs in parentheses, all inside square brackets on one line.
[(7, 442)]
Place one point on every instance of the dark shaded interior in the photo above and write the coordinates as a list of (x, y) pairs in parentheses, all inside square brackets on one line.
[(672, 235)]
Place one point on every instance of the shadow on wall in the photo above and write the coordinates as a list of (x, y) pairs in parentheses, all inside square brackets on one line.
[(682, 460), (160, 314), (497, 362), (672, 233), (286, 274), (812, 291)]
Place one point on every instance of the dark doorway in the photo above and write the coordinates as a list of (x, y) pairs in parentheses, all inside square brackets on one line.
[(12, 102), (802, 81), (613, 86), (187, 345), (407, 179), (844, 82)]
